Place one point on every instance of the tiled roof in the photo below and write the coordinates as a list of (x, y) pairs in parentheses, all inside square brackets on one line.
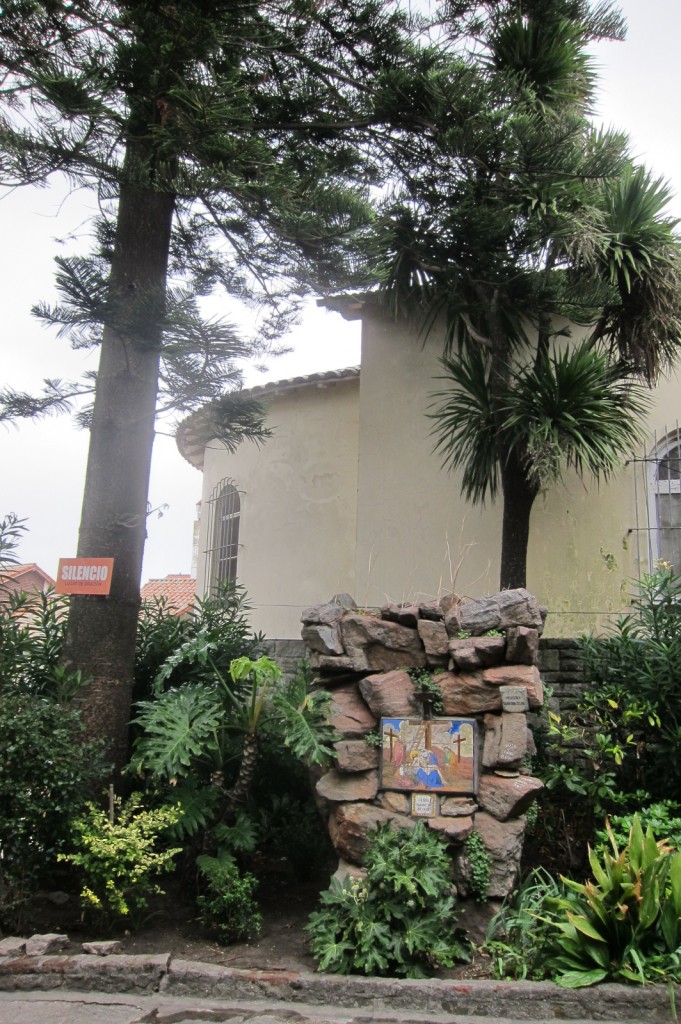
[(191, 433), (178, 590), (13, 572)]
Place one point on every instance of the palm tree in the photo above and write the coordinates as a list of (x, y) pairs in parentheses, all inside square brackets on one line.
[(573, 409), (530, 221)]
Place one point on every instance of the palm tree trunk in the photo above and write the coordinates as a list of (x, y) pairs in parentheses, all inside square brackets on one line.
[(518, 499), (249, 760)]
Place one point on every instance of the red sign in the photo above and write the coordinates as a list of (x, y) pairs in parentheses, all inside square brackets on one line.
[(84, 576)]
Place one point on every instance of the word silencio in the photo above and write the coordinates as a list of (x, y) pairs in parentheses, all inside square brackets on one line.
[(84, 576)]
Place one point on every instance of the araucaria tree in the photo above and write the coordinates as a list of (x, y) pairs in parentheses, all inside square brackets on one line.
[(230, 143), (526, 222)]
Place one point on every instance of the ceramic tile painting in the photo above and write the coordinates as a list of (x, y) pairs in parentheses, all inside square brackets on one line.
[(436, 755)]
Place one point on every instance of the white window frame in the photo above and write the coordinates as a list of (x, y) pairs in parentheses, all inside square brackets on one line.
[(222, 535), (657, 487)]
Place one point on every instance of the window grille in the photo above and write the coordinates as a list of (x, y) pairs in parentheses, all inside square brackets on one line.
[(658, 502), (224, 510)]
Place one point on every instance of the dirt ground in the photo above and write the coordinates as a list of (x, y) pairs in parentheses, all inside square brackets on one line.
[(283, 943)]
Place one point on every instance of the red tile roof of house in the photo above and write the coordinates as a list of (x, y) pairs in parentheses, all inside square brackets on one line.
[(178, 590), (13, 572)]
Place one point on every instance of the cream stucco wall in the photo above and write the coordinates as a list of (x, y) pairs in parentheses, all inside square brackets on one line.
[(298, 505), (348, 496), (417, 536)]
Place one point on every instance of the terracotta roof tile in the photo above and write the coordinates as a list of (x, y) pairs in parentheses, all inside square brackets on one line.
[(13, 572), (190, 437), (178, 590)]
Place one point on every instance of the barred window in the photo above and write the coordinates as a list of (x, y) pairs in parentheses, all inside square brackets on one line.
[(666, 491), (224, 510)]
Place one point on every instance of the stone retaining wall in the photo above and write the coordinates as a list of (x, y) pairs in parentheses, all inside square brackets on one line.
[(472, 650), (562, 669)]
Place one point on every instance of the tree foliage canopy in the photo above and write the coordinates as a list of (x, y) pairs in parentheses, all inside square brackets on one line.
[(267, 124), (230, 143), (527, 222)]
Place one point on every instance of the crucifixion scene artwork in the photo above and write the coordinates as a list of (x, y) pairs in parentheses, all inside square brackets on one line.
[(431, 755)]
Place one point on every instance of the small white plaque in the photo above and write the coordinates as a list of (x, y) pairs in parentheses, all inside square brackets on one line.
[(424, 805), (514, 698)]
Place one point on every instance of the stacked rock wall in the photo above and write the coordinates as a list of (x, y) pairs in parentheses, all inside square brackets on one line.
[(483, 657)]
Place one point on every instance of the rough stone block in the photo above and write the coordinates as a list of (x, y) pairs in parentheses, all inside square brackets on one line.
[(491, 741), (519, 608), (102, 948), (506, 798), (323, 639), (340, 787), (506, 609), (504, 842), (477, 651), (43, 945), (475, 617), (522, 645), (350, 825), (516, 675), (326, 614), (513, 744), (432, 611), (379, 646), (330, 665), (405, 614), (397, 802), (345, 870), (350, 715), (11, 946), (467, 694), (457, 807), (355, 756), (389, 694), (455, 829), (434, 638)]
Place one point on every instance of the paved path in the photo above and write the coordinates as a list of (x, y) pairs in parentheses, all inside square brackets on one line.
[(100, 1008)]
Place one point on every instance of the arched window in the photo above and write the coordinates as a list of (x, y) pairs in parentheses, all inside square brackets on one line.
[(665, 484), (224, 508)]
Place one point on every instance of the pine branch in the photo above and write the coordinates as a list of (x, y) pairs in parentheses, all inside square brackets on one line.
[(58, 397)]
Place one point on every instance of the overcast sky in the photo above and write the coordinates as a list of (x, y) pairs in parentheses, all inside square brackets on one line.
[(43, 464)]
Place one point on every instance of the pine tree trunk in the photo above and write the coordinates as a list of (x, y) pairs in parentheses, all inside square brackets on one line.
[(101, 631), (518, 495)]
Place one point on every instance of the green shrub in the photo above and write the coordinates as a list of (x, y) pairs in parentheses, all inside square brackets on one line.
[(637, 672), (662, 817), (399, 920), (291, 828), (172, 652), (227, 908), (32, 628), (479, 866), (46, 773), (120, 859)]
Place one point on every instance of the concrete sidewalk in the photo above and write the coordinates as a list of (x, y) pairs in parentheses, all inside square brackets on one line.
[(158, 988), (64, 1007)]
